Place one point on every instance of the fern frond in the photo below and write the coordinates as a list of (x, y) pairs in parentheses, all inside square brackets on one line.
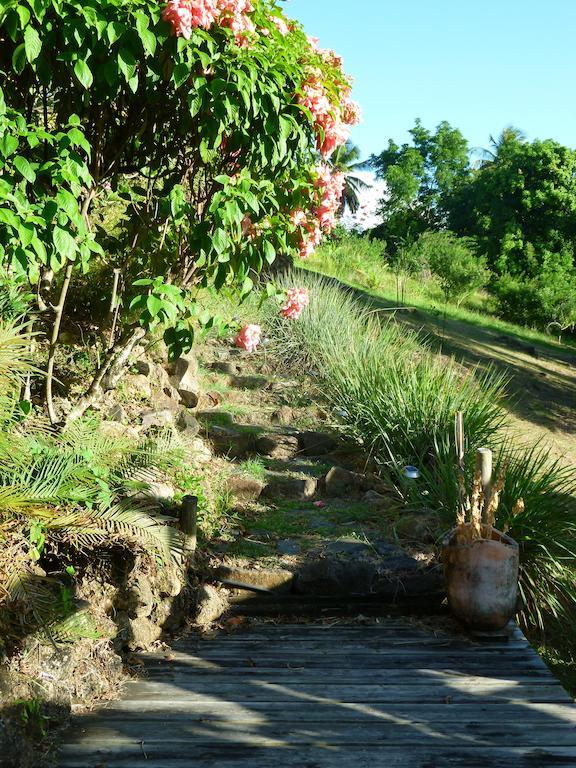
[(127, 521)]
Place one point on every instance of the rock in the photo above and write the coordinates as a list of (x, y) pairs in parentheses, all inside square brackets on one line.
[(163, 417), (211, 399), (339, 481), (184, 378), (273, 579), (199, 452), (210, 605), (285, 487), (164, 393), (169, 581), (316, 443), (187, 423), (350, 567), (284, 415), (249, 382), (142, 633), (143, 367), (117, 413), (375, 499), (156, 491), (138, 385), (141, 598), (115, 429), (243, 489), (228, 442), (223, 366), (277, 446), (288, 547), (423, 527)]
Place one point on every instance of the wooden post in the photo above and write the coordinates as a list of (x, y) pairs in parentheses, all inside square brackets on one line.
[(484, 466), (188, 525)]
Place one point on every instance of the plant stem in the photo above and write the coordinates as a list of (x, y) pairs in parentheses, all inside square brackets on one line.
[(54, 342)]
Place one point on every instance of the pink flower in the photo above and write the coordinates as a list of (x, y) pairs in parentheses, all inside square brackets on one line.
[(331, 132), (298, 217), (297, 300), (184, 15), (280, 25), (351, 112), (249, 337)]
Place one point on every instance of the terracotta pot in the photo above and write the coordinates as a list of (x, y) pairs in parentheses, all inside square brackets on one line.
[(482, 579)]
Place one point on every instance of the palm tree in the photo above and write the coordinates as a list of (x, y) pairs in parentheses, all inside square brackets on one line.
[(508, 135), (346, 159)]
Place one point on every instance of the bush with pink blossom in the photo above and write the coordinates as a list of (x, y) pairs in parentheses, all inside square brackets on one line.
[(205, 123)]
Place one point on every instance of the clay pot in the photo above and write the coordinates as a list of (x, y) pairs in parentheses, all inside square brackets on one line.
[(481, 579)]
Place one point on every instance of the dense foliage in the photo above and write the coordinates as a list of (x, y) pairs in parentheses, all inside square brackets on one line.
[(518, 203), (160, 149)]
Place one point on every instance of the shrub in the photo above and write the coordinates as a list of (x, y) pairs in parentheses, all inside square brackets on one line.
[(455, 262), (164, 150), (547, 301)]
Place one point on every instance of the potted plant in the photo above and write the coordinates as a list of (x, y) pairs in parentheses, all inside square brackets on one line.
[(480, 562)]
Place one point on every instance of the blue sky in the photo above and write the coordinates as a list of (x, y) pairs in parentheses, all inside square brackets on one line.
[(480, 65)]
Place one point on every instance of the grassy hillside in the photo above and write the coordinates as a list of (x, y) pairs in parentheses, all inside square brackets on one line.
[(541, 370)]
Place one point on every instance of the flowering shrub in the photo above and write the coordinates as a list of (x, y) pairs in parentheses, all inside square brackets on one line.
[(297, 300), (175, 142), (249, 337)]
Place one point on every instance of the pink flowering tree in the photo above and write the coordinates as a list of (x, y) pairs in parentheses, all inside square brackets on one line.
[(156, 149)]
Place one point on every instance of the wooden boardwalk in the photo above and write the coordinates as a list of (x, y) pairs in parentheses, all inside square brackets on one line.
[(387, 696)]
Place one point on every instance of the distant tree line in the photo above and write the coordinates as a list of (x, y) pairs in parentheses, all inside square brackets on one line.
[(505, 216)]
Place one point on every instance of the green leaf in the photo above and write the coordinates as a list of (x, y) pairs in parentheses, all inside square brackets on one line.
[(269, 251), (8, 145), (67, 202), (19, 59), (220, 241), (126, 63), (83, 73), (180, 74), (32, 44), (24, 168), (154, 305), (64, 243), (9, 217), (79, 140)]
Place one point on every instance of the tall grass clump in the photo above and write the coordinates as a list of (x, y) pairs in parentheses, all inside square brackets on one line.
[(395, 394)]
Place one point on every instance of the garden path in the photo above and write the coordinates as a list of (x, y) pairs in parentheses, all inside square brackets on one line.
[(391, 693)]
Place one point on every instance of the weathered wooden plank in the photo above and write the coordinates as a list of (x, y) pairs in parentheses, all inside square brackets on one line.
[(209, 708), (116, 734), (358, 661), (177, 675), (426, 757), (457, 690), (376, 645)]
